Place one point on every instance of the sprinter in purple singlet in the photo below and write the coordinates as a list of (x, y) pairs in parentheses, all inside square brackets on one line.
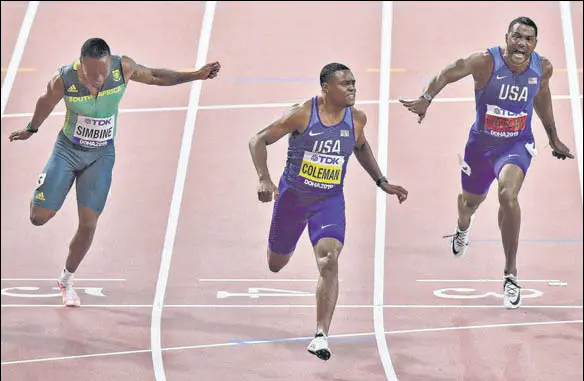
[(323, 133), (510, 83)]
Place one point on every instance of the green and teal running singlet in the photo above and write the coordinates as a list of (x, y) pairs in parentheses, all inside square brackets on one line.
[(92, 121)]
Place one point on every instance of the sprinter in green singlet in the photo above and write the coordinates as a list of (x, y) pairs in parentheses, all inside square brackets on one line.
[(84, 152)]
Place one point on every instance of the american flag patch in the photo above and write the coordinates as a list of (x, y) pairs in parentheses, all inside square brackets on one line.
[(532, 81), (345, 133)]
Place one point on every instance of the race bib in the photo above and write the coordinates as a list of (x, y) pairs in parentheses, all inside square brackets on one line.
[(94, 132), (321, 168), (502, 123)]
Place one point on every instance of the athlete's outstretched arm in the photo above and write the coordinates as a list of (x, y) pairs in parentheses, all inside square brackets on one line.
[(542, 104), (290, 122), (457, 70), (365, 157), (165, 77), (44, 106)]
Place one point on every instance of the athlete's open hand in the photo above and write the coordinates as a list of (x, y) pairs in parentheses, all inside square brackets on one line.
[(266, 189), (417, 106), (209, 71), (20, 135), (400, 192)]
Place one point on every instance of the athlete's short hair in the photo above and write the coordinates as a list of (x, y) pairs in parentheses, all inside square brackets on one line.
[(95, 48), (522, 20), (329, 70)]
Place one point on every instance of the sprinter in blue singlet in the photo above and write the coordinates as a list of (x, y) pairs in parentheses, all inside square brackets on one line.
[(323, 133), (510, 83)]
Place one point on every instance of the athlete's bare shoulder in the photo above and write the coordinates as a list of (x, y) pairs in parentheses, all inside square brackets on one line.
[(55, 88), (480, 61), (301, 107), (359, 117), (298, 115), (293, 120), (547, 68), (480, 64), (482, 57)]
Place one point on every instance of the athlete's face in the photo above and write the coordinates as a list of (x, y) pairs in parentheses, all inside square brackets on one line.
[(95, 70), (521, 41), (341, 88)]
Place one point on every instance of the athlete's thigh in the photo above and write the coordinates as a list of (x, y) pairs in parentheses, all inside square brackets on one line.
[(477, 173), (54, 183), (288, 220), (517, 154), (327, 219), (94, 182)]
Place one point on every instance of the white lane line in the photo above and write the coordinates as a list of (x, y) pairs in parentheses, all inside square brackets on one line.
[(251, 106), (16, 57), (573, 81), (177, 194), (381, 197), (255, 342)]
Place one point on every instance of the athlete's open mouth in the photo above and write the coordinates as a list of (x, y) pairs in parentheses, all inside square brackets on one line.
[(519, 54)]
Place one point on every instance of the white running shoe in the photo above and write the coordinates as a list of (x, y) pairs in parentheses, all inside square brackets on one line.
[(460, 239), (70, 297), (319, 347), (511, 292)]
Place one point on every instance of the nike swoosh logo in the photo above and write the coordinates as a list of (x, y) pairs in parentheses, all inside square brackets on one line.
[(466, 169), (326, 226), (502, 76), (311, 133), (517, 301)]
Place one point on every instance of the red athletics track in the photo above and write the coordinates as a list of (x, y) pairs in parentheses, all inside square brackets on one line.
[(222, 228)]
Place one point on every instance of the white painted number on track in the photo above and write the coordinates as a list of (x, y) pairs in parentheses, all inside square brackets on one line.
[(257, 292), (33, 292), (471, 293)]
